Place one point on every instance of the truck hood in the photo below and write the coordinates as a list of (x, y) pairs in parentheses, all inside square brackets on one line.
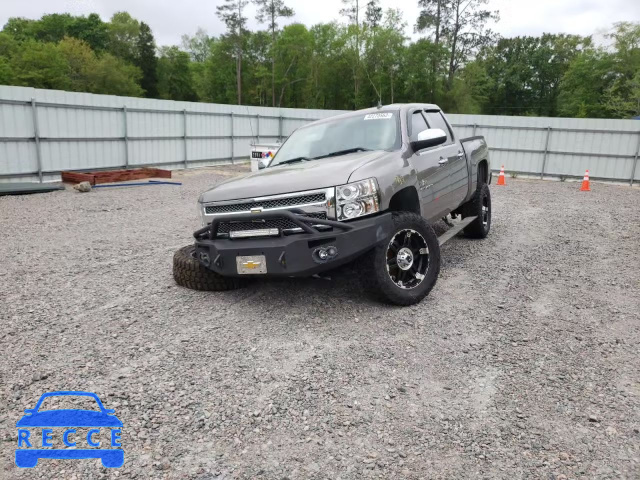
[(311, 175)]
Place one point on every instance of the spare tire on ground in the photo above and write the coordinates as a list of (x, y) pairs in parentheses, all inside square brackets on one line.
[(189, 273)]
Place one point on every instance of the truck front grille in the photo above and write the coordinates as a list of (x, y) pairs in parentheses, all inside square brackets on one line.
[(282, 202), (281, 223)]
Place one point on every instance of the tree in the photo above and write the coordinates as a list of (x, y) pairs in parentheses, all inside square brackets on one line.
[(467, 32), (231, 13), (623, 96), (373, 14), (147, 61), (113, 76), (384, 52), (91, 30), (198, 46), (81, 61), (351, 10), (53, 27), (40, 65), (294, 49), (123, 35), (269, 11), (585, 83), (19, 28), (433, 17), (175, 81)]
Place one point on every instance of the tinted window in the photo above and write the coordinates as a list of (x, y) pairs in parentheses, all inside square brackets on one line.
[(436, 120), (417, 125)]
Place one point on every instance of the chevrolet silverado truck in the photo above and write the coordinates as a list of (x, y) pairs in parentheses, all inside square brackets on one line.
[(365, 186)]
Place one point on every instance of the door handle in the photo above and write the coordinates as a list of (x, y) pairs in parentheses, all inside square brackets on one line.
[(443, 161), (460, 155)]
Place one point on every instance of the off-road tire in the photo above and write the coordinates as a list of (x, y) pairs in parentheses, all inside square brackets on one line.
[(374, 273), (188, 272), (480, 227)]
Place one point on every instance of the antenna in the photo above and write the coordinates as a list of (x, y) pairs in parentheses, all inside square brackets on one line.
[(253, 138)]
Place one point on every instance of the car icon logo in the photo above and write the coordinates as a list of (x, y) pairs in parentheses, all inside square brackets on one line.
[(28, 451)]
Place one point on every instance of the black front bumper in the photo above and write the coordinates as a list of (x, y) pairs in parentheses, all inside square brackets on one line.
[(294, 255)]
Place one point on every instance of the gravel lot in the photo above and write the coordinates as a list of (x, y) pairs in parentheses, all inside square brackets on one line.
[(524, 362)]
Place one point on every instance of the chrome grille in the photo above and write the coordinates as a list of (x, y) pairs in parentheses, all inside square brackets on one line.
[(281, 223), (282, 202)]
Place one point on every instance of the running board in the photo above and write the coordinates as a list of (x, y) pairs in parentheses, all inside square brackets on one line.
[(453, 231)]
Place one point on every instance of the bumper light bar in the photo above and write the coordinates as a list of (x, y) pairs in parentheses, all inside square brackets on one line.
[(261, 232)]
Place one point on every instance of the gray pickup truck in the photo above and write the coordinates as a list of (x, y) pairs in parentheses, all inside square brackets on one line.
[(363, 186)]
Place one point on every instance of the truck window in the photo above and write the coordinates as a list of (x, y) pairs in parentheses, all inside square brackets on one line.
[(418, 124), (436, 120)]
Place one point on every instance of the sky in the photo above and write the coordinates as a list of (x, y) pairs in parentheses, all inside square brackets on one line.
[(170, 19)]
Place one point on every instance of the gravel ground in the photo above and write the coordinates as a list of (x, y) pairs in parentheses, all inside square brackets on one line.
[(522, 363)]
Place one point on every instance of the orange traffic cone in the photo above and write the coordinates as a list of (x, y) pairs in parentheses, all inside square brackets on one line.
[(501, 177), (585, 182)]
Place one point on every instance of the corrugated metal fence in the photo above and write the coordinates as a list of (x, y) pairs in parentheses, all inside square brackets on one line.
[(43, 132)]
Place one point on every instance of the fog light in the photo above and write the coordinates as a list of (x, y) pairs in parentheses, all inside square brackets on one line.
[(323, 254), (204, 258)]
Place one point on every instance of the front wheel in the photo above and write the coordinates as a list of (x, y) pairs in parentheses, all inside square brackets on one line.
[(187, 272), (404, 267)]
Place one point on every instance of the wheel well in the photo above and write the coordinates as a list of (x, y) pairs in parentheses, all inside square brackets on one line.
[(406, 200), (483, 172)]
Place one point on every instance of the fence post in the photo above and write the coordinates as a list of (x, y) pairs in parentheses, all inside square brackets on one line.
[(258, 127), (126, 137), (474, 129), (232, 140), (635, 162), (546, 150), (36, 135), (280, 128), (184, 118)]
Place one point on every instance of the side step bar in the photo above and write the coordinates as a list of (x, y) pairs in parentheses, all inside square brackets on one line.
[(453, 231)]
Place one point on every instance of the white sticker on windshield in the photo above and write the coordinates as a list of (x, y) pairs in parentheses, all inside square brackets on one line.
[(378, 116)]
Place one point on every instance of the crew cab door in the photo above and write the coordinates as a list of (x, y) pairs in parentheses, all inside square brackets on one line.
[(457, 162), (431, 169)]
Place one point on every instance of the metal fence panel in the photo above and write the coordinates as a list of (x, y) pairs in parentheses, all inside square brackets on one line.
[(45, 131)]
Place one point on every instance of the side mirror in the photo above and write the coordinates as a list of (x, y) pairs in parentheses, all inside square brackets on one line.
[(263, 163), (429, 138)]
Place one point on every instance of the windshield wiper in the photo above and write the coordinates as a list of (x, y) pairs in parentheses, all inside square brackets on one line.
[(344, 152), (293, 160)]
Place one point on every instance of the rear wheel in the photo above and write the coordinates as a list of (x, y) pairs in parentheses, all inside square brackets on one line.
[(480, 206), (404, 268), (188, 272)]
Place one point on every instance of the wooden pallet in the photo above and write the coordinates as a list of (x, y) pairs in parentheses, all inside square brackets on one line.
[(110, 176)]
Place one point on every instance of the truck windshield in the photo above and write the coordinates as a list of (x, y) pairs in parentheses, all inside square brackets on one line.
[(373, 131)]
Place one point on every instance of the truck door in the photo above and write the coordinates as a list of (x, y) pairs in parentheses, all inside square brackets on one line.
[(456, 162), (432, 171)]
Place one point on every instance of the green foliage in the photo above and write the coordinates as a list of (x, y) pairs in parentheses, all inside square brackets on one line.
[(40, 65), (458, 64), (123, 35), (176, 82), (147, 61), (114, 76)]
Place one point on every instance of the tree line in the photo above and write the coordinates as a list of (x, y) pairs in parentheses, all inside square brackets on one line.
[(457, 62)]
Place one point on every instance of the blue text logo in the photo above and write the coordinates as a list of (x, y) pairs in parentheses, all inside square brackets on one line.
[(74, 428)]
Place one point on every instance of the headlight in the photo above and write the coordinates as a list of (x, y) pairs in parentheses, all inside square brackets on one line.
[(357, 199), (201, 213)]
